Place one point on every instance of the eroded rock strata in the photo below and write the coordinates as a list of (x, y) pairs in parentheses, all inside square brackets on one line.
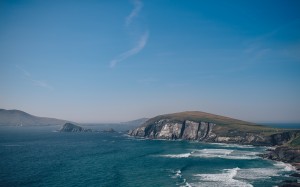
[(209, 132)]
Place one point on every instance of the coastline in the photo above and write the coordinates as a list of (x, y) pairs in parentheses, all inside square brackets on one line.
[(292, 161), (288, 155)]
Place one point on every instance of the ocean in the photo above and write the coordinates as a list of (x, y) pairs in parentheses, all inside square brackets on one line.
[(42, 157)]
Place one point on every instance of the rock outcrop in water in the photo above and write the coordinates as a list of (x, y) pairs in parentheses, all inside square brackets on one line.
[(110, 130), (206, 127), (284, 154), (69, 127)]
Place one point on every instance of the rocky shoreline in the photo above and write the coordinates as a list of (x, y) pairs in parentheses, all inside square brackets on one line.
[(210, 128), (286, 154)]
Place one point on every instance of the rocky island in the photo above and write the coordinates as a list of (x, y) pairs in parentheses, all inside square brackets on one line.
[(69, 127)]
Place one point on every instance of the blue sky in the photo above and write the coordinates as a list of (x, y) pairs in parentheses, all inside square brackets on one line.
[(110, 61)]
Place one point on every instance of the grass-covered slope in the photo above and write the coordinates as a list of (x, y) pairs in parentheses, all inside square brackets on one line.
[(295, 142), (201, 126)]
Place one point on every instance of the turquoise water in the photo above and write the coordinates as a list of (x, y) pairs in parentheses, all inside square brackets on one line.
[(40, 157)]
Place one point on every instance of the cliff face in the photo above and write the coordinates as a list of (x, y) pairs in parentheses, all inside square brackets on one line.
[(191, 130), (284, 137), (169, 127)]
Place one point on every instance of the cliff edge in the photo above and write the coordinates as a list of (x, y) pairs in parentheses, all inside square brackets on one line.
[(205, 127)]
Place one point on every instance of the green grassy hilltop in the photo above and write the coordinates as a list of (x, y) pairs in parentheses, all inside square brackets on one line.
[(225, 124)]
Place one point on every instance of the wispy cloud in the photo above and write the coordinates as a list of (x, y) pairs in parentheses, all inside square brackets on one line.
[(142, 39), (39, 83), (42, 84), (26, 73), (136, 49), (135, 12)]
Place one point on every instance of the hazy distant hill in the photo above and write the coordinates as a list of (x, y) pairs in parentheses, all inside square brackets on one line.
[(132, 124), (122, 126), (20, 118), (136, 122)]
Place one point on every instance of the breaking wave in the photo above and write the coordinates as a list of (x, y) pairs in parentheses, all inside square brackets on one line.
[(184, 155), (227, 179), (181, 181), (216, 153), (284, 166), (237, 177), (234, 145)]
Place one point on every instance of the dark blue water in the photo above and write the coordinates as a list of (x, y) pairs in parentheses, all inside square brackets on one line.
[(40, 157)]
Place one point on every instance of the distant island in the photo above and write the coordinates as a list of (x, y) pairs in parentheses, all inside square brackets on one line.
[(20, 118), (69, 127), (24, 119)]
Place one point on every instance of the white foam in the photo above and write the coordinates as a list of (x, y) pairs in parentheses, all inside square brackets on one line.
[(257, 173), (177, 174), (226, 179), (184, 155), (217, 153), (270, 148), (234, 145), (236, 177), (284, 166), (225, 154), (186, 185), (181, 181)]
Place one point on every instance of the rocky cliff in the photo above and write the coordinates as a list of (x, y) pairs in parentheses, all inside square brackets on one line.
[(167, 129), (206, 127)]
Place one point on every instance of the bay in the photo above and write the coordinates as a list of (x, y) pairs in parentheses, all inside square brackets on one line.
[(32, 156)]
